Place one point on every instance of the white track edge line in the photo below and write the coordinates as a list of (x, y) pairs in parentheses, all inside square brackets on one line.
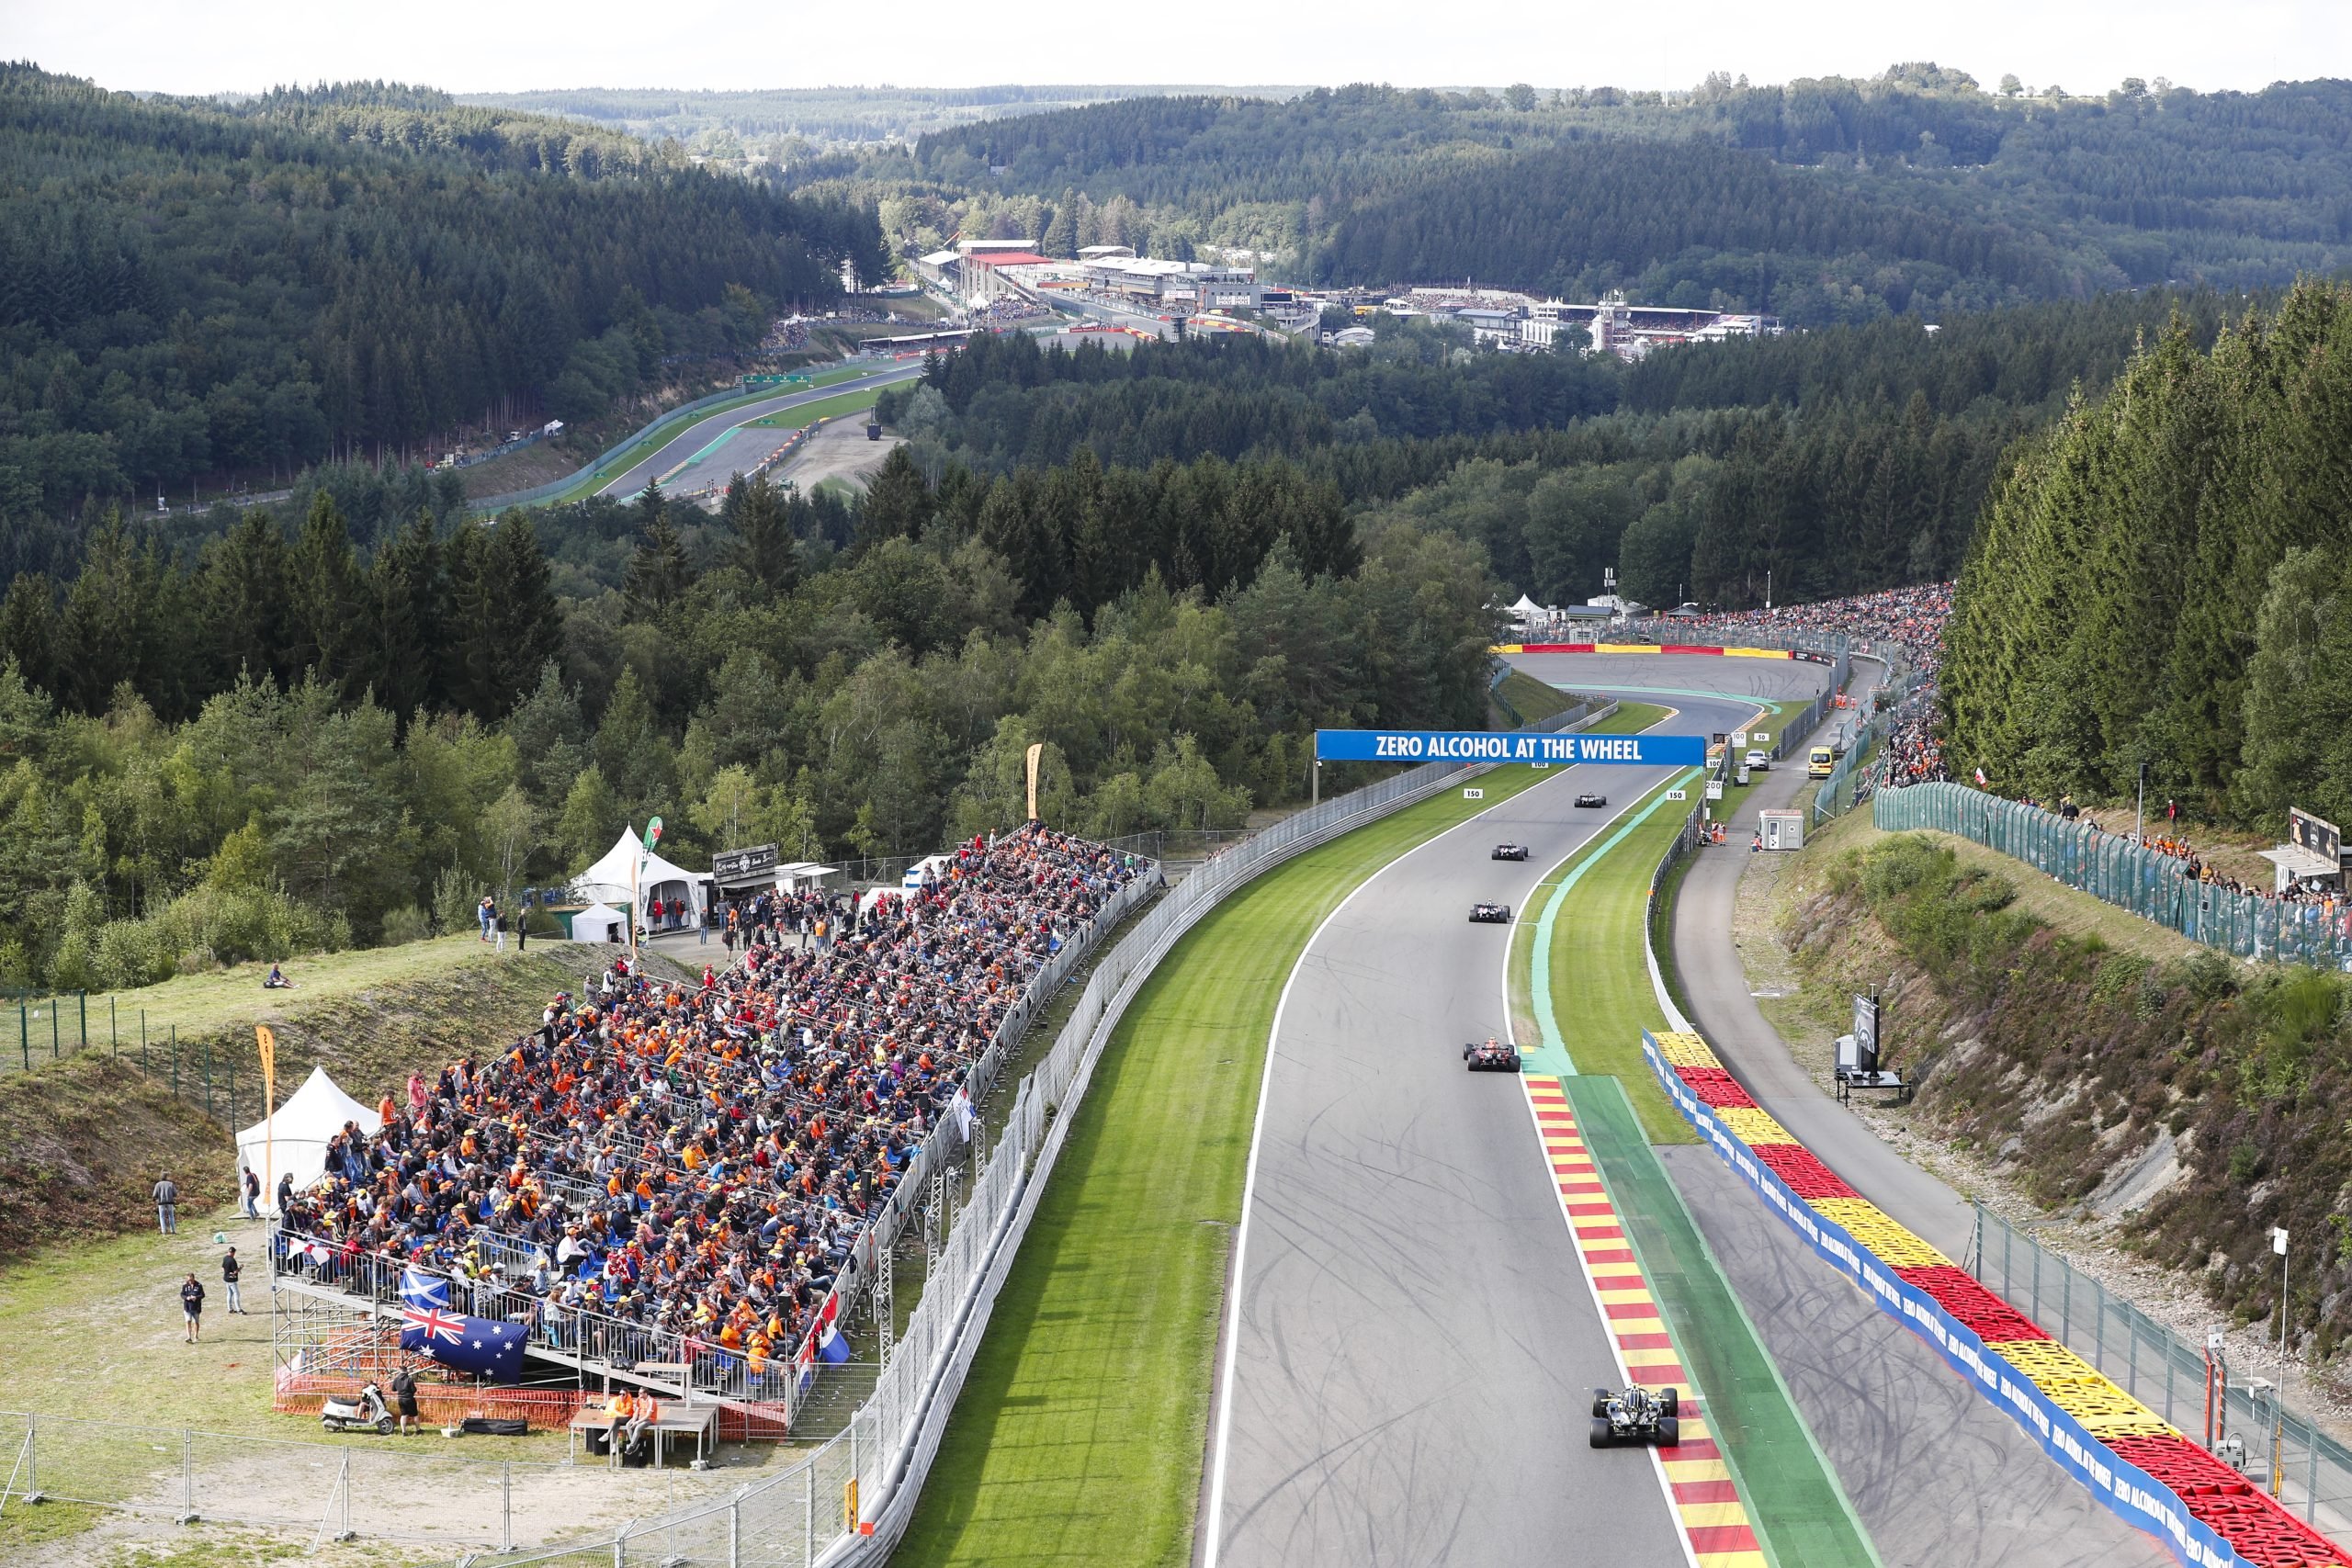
[(1224, 1427)]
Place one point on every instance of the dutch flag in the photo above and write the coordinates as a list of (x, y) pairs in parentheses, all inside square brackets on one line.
[(831, 1344)]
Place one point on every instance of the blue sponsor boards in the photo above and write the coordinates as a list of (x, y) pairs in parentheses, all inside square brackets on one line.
[(2123, 1489), (1508, 746)]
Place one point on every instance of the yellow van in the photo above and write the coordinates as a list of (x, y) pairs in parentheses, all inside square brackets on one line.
[(1817, 762)]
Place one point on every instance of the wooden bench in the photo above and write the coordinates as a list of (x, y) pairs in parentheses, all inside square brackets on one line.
[(678, 1418)]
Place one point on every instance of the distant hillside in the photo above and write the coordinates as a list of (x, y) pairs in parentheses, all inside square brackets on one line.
[(1825, 200), (820, 116), (192, 289)]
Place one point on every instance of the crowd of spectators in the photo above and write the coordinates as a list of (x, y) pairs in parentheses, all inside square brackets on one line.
[(1912, 619), (663, 1171)]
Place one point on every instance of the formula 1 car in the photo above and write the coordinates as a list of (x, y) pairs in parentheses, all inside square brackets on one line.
[(1636, 1415), (1592, 797), (1509, 851), (1490, 1056), (1491, 914)]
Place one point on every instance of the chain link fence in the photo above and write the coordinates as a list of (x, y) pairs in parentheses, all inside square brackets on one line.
[(370, 1488), (2278, 1449), (2157, 887)]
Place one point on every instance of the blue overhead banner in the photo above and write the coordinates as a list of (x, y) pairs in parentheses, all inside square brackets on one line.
[(1509, 746)]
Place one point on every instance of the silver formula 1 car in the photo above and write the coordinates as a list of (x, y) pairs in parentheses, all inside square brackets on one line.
[(1637, 1415), (1491, 914)]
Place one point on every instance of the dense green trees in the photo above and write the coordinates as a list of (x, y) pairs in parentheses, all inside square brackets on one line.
[(190, 289), (282, 738), (1829, 199), (2161, 577)]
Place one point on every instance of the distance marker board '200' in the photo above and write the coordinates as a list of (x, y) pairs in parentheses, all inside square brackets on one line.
[(1510, 746)]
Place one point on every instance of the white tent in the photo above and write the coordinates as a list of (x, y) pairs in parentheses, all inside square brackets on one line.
[(1526, 609), (296, 1138), (591, 923), (608, 881)]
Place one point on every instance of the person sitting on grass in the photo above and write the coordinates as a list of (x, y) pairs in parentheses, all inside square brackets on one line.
[(277, 980)]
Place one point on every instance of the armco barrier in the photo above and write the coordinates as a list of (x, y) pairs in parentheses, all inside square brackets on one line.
[(2093, 1429), (2108, 866), (850, 1501)]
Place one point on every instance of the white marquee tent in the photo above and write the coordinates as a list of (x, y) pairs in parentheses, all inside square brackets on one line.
[(607, 882), (591, 923), (296, 1138)]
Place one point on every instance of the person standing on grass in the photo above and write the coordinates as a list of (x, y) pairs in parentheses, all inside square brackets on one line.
[(167, 1206), (192, 1303), (522, 930), (230, 1271), (253, 1194), (405, 1397)]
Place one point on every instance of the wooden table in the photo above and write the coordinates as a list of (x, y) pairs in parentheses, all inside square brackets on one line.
[(677, 1418)]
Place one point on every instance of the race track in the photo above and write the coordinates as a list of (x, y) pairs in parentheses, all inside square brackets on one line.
[(1414, 1343), (701, 452)]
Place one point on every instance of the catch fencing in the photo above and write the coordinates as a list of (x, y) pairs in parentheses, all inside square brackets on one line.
[(37, 1027), (2278, 1449), (2157, 886), (850, 1500)]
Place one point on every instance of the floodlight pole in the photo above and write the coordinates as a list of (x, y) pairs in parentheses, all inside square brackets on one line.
[(2140, 816)]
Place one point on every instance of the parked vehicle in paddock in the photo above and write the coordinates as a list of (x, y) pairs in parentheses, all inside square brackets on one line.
[(1491, 914), (366, 1412), (1509, 851), (1637, 1415), (1592, 798), (1490, 1056)]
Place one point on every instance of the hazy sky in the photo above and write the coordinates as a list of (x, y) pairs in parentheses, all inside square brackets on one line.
[(200, 46)]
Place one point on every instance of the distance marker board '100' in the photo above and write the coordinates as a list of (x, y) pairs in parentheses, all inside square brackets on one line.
[(1510, 746)]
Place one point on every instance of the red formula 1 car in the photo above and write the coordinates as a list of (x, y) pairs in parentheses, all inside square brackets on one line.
[(1490, 1055)]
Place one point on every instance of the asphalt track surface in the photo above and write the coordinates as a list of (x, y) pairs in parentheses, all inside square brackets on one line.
[(697, 445), (1937, 1474), (1416, 1346)]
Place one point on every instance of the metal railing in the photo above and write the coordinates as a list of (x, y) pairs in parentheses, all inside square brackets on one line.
[(2158, 887), (861, 1487), (2283, 1451)]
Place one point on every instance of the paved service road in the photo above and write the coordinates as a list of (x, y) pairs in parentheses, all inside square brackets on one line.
[(1939, 1478), (1416, 1345), (701, 436)]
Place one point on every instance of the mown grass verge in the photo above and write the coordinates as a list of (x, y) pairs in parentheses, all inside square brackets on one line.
[(808, 413), (1079, 1432)]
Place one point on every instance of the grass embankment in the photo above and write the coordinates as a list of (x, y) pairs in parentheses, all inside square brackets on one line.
[(1529, 700), (808, 413), (1080, 1433)]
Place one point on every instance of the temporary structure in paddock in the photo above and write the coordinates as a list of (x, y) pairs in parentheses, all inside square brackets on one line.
[(294, 1138), (599, 922), (630, 875)]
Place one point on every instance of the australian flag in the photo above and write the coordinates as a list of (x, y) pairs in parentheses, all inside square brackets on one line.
[(419, 1289), (483, 1346)]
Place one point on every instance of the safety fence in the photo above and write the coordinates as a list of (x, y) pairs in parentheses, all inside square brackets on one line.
[(2157, 886), (52, 1026), (2278, 1448), (372, 1487), (861, 1485)]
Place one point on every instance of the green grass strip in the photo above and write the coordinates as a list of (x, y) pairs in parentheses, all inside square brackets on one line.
[(1802, 1515), (1078, 1436), (795, 419)]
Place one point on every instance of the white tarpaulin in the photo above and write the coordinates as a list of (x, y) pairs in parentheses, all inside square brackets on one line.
[(592, 923), (296, 1138), (607, 881)]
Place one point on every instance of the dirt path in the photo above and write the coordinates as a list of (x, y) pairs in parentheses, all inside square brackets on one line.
[(838, 450)]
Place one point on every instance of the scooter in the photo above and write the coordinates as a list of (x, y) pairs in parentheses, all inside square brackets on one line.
[(341, 1415)]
